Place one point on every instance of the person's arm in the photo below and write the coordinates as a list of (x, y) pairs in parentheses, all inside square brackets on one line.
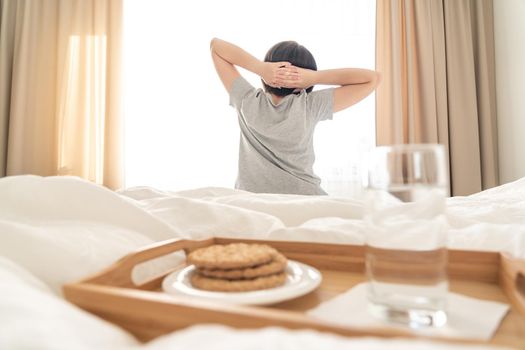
[(226, 56), (355, 83)]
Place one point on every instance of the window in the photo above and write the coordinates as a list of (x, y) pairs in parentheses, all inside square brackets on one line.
[(180, 131)]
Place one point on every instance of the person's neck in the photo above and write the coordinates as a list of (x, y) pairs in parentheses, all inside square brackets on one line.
[(276, 99)]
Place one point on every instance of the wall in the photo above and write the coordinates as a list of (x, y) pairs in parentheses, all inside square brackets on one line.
[(509, 36)]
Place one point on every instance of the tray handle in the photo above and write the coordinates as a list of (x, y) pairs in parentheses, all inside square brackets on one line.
[(513, 280), (120, 273)]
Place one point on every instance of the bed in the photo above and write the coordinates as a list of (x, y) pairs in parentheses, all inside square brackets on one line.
[(56, 230)]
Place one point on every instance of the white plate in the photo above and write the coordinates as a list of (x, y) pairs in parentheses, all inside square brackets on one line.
[(301, 279)]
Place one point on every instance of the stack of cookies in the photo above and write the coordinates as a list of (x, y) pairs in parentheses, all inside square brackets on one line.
[(237, 267)]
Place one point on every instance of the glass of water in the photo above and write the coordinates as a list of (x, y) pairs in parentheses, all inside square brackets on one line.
[(406, 256)]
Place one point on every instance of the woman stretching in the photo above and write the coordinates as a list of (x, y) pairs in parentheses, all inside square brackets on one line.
[(277, 124)]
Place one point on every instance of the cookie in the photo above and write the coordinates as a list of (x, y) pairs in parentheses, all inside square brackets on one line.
[(231, 256), (276, 265), (246, 285)]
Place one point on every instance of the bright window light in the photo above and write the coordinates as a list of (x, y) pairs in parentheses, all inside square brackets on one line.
[(180, 131)]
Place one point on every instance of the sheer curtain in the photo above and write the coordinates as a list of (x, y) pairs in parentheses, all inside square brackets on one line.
[(180, 131), (437, 60), (60, 79)]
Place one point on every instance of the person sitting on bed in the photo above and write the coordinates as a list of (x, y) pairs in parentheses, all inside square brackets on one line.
[(276, 152)]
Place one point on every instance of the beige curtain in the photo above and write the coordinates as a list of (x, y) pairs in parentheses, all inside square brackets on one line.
[(60, 94), (437, 61)]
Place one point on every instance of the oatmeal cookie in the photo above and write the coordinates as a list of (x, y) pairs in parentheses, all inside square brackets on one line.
[(276, 265), (231, 256), (245, 285)]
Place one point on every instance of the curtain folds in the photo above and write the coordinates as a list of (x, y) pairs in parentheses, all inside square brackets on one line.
[(437, 62), (60, 89)]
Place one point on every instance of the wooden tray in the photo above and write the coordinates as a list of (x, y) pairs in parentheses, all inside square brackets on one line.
[(147, 312)]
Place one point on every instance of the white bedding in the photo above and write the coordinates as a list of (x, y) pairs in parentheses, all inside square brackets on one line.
[(59, 229)]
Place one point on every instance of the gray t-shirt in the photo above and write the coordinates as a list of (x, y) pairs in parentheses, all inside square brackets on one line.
[(276, 153)]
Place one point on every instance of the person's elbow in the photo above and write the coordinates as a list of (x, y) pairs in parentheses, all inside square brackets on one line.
[(213, 43), (374, 80)]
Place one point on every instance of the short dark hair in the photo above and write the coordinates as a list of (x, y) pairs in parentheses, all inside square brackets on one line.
[(289, 51)]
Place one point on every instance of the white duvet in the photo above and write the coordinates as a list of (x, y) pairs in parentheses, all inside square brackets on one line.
[(59, 229)]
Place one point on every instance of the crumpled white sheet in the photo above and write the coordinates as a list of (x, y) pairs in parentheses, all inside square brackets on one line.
[(60, 229), (492, 220), (224, 338), (32, 317)]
